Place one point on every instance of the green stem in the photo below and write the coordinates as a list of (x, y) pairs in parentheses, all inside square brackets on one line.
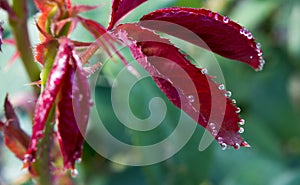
[(43, 162), (20, 31)]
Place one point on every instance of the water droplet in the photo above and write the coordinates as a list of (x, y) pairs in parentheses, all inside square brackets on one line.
[(242, 122), (216, 17), (233, 101), (258, 46), (191, 98), (225, 19), (243, 31), (220, 139), (212, 125), (261, 61), (241, 130), (74, 173), (91, 102), (238, 110), (228, 94), (224, 146), (78, 160), (214, 132), (249, 35), (204, 71), (259, 53), (236, 146), (80, 97), (222, 87), (28, 158), (251, 57)]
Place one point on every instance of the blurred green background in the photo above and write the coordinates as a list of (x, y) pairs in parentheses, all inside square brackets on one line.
[(270, 103)]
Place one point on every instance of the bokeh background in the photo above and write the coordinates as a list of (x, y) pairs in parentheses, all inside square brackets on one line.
[(270, 103)]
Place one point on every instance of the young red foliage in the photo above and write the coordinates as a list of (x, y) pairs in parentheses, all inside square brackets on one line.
[(180, 80), (73, 112), (48, 97), (120, 8), (14, 137), (222, 35), (65, 81)]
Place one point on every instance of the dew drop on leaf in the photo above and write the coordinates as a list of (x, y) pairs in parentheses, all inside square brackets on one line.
[(225, 19), (74, 173), (222, 87), (234, 102), (228, 94), (212, 126), (242, 122), (258, 46), (191, 98), (214, 132), (242, 31), (241, 130), (224, 146), (236, 146), (204, 71), (249, 35), (78, 160), (216, 16)]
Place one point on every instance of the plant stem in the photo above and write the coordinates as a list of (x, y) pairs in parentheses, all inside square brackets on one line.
[(43, 163), (20, 31)]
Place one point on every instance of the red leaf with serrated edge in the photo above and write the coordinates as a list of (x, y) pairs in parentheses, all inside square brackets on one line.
[(93, 27), (73, 112), (14, 137), (186, 86), (1, 35), (222, 35), (120, 8), (47, 98)]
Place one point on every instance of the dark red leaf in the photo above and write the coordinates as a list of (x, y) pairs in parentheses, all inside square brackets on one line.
[(120, 8), (93, 27), (222, 35), (185, 85), (14, 137), (47, 98), (10, 113), (1, 35), (73, 112), (104, 40)]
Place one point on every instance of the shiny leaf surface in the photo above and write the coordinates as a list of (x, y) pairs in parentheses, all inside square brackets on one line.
[(186, 86), (222, 35), (120, 8), (48, 96), (73, 112)]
